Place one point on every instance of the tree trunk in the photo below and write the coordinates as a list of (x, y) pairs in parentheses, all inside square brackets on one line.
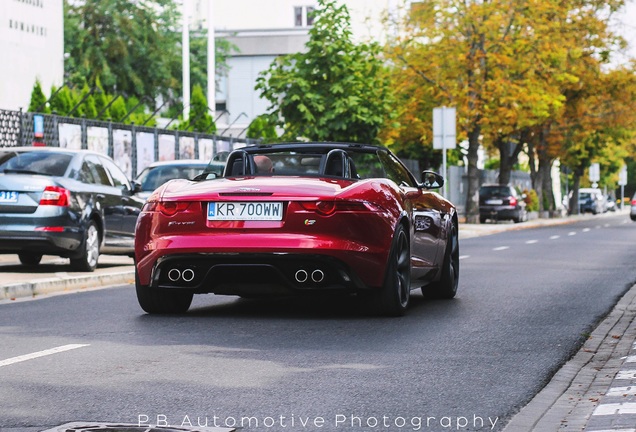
[(508, 157)]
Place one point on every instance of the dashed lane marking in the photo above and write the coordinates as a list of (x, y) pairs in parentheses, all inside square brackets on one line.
[(622, 391), (35, 355), (554, 237), (586, 229), (500, 248), (532, 241), (615, 408), (461, 257), (572, 233)]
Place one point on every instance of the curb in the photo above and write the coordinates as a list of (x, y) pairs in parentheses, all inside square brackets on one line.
[(64, 283), (569, 399)]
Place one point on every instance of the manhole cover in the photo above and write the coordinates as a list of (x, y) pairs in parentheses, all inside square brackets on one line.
[(118, 427)]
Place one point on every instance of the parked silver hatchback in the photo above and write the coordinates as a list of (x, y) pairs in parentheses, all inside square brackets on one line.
[(70, 203)]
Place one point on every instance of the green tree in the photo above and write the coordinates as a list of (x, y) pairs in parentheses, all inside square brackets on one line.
[(61, 100), (38, 99), (335, 91), (200, 119), (130, 45), (118, 109), (263, 127)]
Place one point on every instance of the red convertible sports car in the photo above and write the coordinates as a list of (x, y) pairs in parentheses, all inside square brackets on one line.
[(298, 218)]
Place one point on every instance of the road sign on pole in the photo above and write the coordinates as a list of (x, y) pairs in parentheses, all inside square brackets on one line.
[(444, 134), (622, 181)]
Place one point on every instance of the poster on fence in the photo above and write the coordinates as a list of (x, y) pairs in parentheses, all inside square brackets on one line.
[(122, 150), (223, 147), (166, 147), (70, 136), (97, 139), (186, 148), (145, 150), (206, 149)]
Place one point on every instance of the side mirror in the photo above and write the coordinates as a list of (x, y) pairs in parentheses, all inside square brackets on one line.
[(136, 187), (431, 180)]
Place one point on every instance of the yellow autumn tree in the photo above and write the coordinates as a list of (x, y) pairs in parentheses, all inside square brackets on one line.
[(501, 63)]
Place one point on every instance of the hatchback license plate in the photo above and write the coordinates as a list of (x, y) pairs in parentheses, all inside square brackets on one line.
[(494, 202), (8, 197), (259, 211)]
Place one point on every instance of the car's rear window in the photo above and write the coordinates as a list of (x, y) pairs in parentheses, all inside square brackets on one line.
[(494, 191), (34, 162)]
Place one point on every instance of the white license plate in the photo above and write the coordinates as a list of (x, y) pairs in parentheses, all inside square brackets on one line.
[(8, 197), (259, 211), (494, 202)]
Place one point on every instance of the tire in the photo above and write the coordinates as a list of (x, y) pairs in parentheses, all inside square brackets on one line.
[(162, 301), (446, 287), (393, 298), (27, 258), (87, 260)]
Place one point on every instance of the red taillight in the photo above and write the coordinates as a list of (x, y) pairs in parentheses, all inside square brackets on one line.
[(634, 202), (170, 208), (513, 201), (55, 196), (327, 208)]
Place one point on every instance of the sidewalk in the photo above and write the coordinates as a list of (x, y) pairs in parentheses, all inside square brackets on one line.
[(595, 391)]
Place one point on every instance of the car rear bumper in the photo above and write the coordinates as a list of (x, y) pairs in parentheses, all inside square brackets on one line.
[(502, 212), (254, 274), (64, 243)]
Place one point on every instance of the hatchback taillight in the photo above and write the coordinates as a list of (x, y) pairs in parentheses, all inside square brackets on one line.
[(634, 202), (55, 196), (513, 201)]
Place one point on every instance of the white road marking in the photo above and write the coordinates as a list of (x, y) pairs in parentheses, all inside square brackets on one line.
[(500, 248), (631, 359), (626, 375), (615, 408), (554, 237), (586, 229), (35, 355), (571, 233), (622, 391), (461, 257), (532, 241), (607, 225)]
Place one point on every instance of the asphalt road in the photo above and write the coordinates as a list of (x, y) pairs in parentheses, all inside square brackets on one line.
[(527, 301)]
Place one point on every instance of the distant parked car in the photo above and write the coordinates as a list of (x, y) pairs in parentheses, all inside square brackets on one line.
[(157, 173), (501, 202), (632, 211), (70, 203), (610, 203), (591, 200)]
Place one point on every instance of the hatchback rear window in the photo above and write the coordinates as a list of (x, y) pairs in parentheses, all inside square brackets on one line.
[(496, 191), (35, 162)]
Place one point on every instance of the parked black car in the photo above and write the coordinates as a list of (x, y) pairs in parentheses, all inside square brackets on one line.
[(71, 203), (501, 202)]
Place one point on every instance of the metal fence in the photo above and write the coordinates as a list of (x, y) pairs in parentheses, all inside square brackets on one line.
[(132, 147)]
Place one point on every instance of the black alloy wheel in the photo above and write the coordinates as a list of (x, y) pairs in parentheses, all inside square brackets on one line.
[(393, 298), (446, 287)]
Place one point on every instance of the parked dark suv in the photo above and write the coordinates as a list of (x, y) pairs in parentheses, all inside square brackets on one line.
[(70, 203), (501, 202)]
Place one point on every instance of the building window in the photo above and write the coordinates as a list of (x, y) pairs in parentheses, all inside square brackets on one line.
[(303, 16)]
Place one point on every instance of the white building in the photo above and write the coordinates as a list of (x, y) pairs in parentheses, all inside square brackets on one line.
[(263, 30), (32, 47)]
